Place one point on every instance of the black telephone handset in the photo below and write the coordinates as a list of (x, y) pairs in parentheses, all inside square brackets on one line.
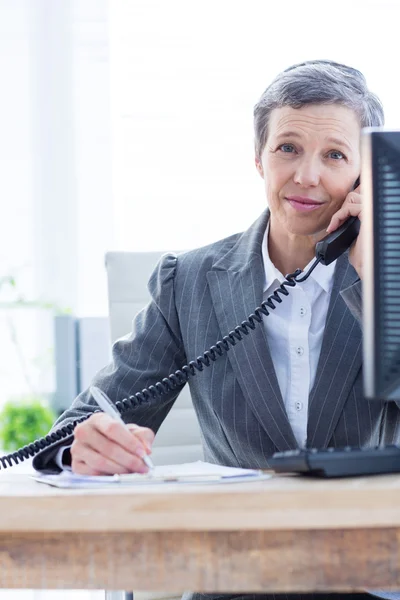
[(337, 242), (327, 250)]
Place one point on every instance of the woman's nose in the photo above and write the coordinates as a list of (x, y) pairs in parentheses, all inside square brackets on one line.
[(307, 173)]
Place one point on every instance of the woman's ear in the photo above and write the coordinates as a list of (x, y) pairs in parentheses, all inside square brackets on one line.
[(259, 166)]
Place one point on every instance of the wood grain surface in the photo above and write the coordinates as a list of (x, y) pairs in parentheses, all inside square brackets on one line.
[(229, 561), (279, 503), (284, 534)]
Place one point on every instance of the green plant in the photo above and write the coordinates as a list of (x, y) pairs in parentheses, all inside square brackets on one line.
[(23, 421)]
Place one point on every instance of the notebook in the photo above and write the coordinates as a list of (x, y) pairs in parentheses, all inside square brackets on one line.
[(195, 472)]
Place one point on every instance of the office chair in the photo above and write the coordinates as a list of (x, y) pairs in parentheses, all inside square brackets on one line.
[(178, 439)]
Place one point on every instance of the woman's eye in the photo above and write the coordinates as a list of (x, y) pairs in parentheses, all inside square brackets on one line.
[(287, 148), (336, 154)]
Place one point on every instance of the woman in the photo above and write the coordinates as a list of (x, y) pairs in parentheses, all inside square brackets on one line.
[(296, 380)]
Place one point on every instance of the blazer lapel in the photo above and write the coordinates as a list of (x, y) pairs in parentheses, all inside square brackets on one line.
[(236, 284), (339, 363)]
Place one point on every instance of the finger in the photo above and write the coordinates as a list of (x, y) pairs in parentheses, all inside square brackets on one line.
[(347, 210), (353, 197), (145, 434), (94, 440), (116, 432), (103, 464)]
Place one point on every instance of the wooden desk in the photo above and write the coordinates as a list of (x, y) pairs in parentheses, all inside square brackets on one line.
[(284, 534)]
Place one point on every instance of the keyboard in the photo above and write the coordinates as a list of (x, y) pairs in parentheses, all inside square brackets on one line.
[(338, 462)]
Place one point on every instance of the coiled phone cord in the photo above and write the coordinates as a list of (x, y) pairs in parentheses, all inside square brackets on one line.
[(174, 380)]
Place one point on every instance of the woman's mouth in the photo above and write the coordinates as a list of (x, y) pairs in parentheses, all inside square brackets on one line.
[(303, 204)]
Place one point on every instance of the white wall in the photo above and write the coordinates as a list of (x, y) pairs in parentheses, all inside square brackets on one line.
[(185, 77)]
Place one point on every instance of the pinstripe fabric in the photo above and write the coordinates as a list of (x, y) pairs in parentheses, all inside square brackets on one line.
[(200, 296), (197, 298)]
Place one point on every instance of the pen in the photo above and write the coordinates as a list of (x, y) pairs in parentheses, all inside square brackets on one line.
[(108, 407)]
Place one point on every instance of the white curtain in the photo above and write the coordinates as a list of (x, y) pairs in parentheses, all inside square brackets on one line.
[(55, 184)]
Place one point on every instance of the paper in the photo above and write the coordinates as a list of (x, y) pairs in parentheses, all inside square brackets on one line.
[(196, 472)]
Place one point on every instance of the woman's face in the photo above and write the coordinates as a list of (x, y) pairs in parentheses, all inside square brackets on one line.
[(310, 163)]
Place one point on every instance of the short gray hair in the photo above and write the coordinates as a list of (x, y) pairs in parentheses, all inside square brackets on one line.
[(317, 82)]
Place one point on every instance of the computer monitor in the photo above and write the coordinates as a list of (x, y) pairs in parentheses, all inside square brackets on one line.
[(380, 186)]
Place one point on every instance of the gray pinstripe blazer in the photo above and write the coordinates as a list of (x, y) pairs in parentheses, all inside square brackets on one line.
[(197, 298)]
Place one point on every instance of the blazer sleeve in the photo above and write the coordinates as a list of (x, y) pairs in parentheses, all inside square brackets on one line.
[(353, 298), (152, 351)]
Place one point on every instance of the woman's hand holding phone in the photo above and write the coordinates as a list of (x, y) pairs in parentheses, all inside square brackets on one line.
[(352, 207)]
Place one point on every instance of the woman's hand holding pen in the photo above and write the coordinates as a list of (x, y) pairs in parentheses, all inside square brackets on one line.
[(103, 446)]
